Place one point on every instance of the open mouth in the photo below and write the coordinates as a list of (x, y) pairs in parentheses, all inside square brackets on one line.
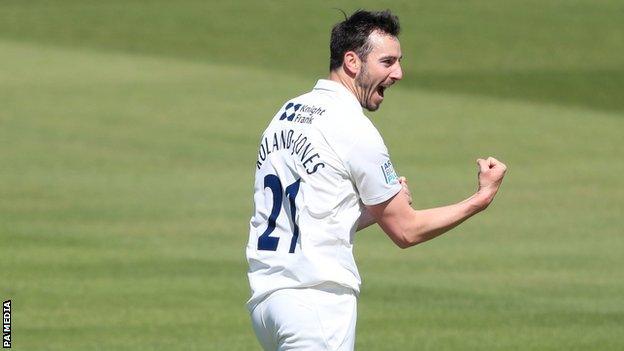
[(380, 90)]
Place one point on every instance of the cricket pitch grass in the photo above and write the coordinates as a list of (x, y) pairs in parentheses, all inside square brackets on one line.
[(128, 135)]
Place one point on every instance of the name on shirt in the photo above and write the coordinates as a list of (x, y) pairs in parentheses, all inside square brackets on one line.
[(298, 145)]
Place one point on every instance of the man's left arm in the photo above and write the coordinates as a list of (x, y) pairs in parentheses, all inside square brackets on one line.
[(367, 219)]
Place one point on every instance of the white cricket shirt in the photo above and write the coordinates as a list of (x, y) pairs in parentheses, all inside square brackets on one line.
[(319, 160)]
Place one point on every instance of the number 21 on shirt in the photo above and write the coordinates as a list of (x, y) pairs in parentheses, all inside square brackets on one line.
[(265, 241)]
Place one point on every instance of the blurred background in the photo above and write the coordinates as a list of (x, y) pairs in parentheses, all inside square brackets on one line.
[(128, 135)]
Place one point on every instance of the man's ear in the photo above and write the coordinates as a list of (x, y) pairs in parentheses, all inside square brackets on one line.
[(351, 63)]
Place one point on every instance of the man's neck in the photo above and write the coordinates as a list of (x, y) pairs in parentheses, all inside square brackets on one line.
[(340, 77)]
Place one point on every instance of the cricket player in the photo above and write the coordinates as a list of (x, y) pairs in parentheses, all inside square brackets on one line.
[(323, 172)]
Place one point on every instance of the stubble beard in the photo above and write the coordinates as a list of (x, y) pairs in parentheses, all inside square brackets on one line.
[(367, 87)]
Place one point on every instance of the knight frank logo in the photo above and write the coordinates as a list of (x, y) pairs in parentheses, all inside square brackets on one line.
[(6, 324), (289, 113)]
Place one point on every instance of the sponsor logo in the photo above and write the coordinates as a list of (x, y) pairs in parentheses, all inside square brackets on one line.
[(301, 113), (290, 111), (389, 174)]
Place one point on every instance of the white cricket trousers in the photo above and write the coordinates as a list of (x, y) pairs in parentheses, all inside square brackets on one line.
[(311, 319)]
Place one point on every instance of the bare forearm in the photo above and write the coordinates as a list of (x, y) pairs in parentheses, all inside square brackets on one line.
[(430, 223), (408, 227)]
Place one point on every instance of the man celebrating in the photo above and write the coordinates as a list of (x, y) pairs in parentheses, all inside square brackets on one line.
[(322, 173)]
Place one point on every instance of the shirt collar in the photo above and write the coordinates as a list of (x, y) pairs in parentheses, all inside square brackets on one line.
[(341, 90)]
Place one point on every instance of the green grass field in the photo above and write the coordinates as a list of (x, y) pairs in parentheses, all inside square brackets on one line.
[(128, 135)]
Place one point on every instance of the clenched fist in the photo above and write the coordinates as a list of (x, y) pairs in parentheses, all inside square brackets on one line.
[(491, 174)]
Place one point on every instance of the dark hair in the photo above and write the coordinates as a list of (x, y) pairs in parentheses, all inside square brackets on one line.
[(352, 34)]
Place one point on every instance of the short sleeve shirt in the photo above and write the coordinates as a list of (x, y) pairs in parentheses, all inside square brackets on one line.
[(319, 161)]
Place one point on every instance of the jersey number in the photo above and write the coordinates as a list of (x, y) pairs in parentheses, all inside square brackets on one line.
[(266, 242)]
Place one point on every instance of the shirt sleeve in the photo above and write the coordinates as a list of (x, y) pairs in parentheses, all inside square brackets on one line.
[(371, 170)]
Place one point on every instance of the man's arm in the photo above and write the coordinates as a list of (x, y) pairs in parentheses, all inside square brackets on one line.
[(367, 219), (408, 227)]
